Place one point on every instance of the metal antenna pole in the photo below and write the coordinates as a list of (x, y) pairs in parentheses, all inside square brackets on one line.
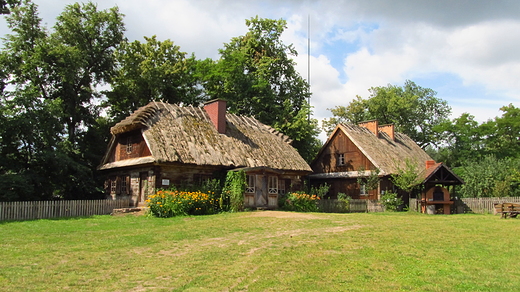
[(309, 60)]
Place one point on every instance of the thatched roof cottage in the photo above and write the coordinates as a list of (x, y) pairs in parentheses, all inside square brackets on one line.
[(163, 144)]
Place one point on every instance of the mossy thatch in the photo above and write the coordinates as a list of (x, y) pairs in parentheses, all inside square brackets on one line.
[(177, 134)]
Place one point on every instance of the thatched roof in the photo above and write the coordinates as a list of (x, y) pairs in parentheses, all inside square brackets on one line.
[(176, 134), (382, 151)]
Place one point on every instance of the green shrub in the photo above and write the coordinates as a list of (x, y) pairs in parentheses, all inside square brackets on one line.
[(301, 202), (320, 191), (391, 201), (342, 197), (169, 203), (232, 198)]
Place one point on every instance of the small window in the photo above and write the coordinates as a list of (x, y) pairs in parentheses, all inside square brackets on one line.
[(341, 159), (363, 190), (113, 185), (281, 186), (250, 183), (129, 145), (273, 185), (124, 186)]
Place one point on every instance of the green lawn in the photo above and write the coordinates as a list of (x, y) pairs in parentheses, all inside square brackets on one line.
[(263, 251)]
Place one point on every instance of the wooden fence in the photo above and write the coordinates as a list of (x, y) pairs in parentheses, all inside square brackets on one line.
[(483, 205), (55, 209), (473, 205), (464, 205), (355, 206)]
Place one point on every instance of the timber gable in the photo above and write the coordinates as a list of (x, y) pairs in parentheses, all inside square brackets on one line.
[(129, 145), (340, 154)]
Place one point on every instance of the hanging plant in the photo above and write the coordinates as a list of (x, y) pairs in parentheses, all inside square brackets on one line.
[(234, 189)]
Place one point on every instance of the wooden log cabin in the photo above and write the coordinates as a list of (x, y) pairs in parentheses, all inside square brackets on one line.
[(354, 151), (161, 145)]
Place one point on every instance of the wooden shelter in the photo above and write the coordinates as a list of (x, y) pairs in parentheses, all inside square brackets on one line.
[(436, 198), (162, 144), (354, 151)]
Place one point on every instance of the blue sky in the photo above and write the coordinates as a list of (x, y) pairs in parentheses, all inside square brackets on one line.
[(467, 51)]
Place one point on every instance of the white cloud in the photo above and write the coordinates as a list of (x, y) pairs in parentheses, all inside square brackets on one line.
[(383, 41)]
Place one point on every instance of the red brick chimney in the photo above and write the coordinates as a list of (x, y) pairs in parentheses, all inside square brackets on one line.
[(389, 130), (216, 110), (371, 125), (430, 163)]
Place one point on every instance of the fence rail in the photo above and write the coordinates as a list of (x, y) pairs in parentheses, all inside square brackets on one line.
[(55, 209), (484, 205), (473, 205), (463, 205), (77, 208)]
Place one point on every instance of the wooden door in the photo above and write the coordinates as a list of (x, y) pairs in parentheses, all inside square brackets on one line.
[(143, 188), (261, 191)]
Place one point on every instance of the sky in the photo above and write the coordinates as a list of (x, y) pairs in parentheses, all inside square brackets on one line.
[(465, 50)]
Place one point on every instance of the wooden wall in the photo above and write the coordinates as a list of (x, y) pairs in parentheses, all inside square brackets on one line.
[(327, 161), (129, 145)]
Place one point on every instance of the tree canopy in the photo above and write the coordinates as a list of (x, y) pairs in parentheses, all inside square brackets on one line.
[(153, 70), (48, 104)]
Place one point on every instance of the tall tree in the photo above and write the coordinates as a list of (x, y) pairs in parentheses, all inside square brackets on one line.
[(461, 139), (490, 177), (414, 110), (504, 133), (257, 77), (49, 96), (80, 59), (153, 70)]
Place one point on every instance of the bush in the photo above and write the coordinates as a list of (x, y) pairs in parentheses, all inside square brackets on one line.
[(342, 197), (301, 202), (169, 203), (391, 201), (232, 198)]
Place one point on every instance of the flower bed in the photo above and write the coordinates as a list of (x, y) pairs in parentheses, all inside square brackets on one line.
[(301, 202), (166, 203)]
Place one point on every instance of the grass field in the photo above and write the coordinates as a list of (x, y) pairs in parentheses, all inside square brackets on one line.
[(263, 251)]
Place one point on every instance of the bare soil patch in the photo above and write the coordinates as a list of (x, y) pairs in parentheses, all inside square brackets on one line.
[(282, 214)]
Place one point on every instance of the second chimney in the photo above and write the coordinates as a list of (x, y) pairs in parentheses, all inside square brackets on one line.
[(430, 163), (389, 130), (216, 110), (372, 126)]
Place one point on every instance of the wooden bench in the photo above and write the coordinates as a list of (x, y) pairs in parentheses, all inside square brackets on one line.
[(507, 209)]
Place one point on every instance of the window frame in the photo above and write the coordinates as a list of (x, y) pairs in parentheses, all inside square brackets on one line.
[(363, 190), (341, 159), (113, 185), (281, 186), (124, 185), (272, 184), (250, 181), (129, 145)]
